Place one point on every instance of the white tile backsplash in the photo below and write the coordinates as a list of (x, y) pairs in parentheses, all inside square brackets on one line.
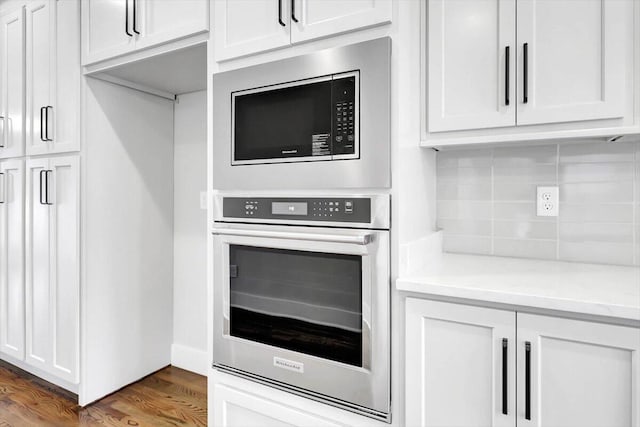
[(486, 201)]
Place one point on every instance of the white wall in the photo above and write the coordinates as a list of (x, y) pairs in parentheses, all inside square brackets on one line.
[(189, 350)]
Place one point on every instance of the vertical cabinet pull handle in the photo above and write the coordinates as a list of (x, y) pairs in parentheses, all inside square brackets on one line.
[(135, 16), (525, 73), (293, 11), (3, 130), (46, 123), (42, 172), (2, 187), (507, 70), (126, 18), (280, 14), (42, 124), (505, 367), (527, 380)]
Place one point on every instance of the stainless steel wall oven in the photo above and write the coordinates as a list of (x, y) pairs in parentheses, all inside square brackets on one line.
[(301, 295)]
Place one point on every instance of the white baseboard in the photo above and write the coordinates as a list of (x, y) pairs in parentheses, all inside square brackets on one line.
[(189, 358)]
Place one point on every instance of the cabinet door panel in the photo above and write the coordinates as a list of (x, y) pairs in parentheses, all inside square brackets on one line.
[(12, 64), (454, 365), (38, 60), (243, 27), (322, 18), (12, 258), (577, 59), (467, 67), (166, 20), (64, 281), (64, 118), (104, 29), (583, 374), (234, 408), (38, 338)]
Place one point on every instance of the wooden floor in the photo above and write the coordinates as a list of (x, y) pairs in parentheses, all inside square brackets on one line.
[(170, 397)]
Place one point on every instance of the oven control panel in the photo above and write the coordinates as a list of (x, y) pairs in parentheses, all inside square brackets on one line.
[(334, 209)]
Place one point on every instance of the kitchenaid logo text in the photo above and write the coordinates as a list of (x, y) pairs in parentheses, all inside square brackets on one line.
[(288, 364)]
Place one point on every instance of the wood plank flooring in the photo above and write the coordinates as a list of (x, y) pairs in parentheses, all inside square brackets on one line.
[(169, 397)]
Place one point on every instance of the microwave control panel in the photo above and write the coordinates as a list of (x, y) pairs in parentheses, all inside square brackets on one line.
[(344, 115), (324, 209)]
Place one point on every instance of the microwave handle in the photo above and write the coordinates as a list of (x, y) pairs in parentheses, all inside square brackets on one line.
[(359, 239)]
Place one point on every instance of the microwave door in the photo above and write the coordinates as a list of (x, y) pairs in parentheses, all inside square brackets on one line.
[(281, 123)]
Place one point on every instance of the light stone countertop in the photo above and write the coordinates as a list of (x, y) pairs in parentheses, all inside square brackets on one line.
[(602, 290)]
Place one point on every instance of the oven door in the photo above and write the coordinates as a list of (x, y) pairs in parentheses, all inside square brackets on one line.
[(307, 309)]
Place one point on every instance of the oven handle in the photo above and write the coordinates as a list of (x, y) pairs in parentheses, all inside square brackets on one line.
[(359, 239)]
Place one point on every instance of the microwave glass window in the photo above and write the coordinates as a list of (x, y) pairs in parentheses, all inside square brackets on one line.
[(307, 302), (281, 123)]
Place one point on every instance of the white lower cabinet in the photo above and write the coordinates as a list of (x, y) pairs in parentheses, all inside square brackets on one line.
[(570, 373), (52, 266), (12, 258)]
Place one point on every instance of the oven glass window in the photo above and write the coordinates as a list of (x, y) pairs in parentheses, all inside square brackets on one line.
[(307, 302)]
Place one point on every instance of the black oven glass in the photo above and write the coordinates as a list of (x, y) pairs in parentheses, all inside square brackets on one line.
[(307, 302), (302, 121)]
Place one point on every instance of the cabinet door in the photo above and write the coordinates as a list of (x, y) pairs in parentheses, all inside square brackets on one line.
[(12, 76), (575, 57), (12, 258), (460, 365), (64, 114), (166, 20), (471, 64), (235, 408), (249, 26), (38, 42), (580, 374), (322, 18), (64, 279), (105, 24), (37, 293)]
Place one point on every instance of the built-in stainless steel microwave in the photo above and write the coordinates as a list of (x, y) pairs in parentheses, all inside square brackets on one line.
[(308, 120), (320, 120)]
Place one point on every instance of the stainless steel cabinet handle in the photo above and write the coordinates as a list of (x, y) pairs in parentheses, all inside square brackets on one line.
[(359, 239), (505, 367), (44, 189), (2, 137), (42, 124), (293, 11)]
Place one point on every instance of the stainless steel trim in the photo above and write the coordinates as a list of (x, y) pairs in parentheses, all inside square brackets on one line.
[(370, 170), (382, 416), (358, 239)]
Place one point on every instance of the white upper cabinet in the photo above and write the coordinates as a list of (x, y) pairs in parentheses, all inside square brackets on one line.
[(572, 62), (460, 365), (12, 84), (112, 28), (312, 19), (106, 29), (472, 52), (249, 26), (12, 258), (243, 27), (509, 70), (580, 374), (52, 266), (52, 76)]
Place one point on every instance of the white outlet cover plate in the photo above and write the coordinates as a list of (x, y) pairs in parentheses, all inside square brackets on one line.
[(548, 201)]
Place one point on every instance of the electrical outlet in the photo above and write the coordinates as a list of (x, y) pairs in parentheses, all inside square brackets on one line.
[(548, 201)]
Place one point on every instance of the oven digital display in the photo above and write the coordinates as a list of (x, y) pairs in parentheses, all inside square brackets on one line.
[(289, 208)]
